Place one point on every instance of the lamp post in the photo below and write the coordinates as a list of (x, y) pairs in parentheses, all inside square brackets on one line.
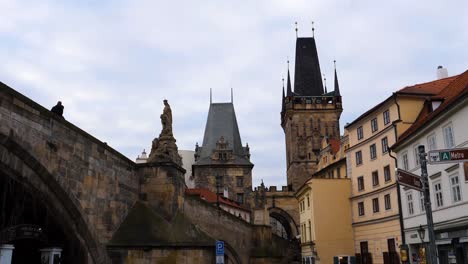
[(427, 203), (422, 252)]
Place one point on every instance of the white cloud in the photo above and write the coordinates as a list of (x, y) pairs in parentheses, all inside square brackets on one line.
[(112, 63)]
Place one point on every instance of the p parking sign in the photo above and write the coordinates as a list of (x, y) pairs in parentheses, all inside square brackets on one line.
[(219, 252)]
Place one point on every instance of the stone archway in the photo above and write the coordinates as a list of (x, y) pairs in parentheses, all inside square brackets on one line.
[(285, 220), (21, 167)]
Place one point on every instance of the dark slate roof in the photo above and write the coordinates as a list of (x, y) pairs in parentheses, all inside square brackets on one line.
[(221, 122), (143, 227), (308, 78)]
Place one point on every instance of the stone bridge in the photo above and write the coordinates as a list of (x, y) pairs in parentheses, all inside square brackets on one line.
[(101, 207)]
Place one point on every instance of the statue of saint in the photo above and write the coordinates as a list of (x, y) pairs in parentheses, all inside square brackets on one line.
[(166, 119)]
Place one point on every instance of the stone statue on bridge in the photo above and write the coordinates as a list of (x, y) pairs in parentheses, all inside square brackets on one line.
[(164, 148)]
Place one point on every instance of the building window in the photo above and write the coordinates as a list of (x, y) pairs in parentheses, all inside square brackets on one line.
[(448, 136), (374, 125), (360, 181), (338, 173), (358, 157), (416, 155), (438, 194), (361, 208), (455, 188), (386, 117), (384, 145), (375, 205), (373, 151), (431, 142), (404, 158), (375, 178), (388, 203), (421, 201), (386, 173), (360, 132), (409, 197), (240, 198), (310, 230), (308, 201), (240, 181)]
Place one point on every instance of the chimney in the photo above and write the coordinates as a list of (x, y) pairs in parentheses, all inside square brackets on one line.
[(441, 73)]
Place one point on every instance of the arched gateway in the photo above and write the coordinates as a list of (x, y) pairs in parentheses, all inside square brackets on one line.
[(37, 214)]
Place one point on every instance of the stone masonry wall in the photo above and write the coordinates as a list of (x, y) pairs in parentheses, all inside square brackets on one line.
[(100, 181)]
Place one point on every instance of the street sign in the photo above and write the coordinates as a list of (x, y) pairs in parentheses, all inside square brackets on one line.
[(409, 180), (448, 155), (219, 252)]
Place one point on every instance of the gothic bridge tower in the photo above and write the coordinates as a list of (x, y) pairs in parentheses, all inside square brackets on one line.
[(308, 114)]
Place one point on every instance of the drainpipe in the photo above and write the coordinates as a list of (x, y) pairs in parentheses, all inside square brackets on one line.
[(400, 213)]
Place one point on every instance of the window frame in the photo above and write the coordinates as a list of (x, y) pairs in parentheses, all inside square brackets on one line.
[(386, 117), (360, 181), (438, 195), (375, 205), (375, 178), (387, 202), (410, 202), (374, 125), (384, 142), (358, 156), (360, 132), (404, 160), (416, 155), (452, 137), (421, 202), (240, 179), (457, 185), (432, 145), (361, 210), (387, 169), (373, 151)]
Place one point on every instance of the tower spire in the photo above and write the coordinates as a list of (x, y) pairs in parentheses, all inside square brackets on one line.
[(337, 87), (282, 98), (325, 83), (288, 85), (232, 96), (313, 29), (211, 96), (296, 29)]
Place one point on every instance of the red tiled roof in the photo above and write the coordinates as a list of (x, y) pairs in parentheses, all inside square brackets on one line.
[(210, 197), (456, 89), (421, 89), (335, 145), (428, 88)]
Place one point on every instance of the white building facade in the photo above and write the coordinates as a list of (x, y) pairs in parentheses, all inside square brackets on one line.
[(448, 183)]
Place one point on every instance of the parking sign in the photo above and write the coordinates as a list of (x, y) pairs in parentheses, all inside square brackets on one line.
[(219, 252)]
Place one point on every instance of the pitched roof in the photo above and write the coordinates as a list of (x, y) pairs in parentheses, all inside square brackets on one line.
[(456, 89), (144, 227), (307, 75), (428, 88), (211, 197), (422, 89), (221, 122)]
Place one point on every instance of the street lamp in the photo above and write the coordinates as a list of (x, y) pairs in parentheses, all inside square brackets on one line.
[(422, 252), (421, 233)]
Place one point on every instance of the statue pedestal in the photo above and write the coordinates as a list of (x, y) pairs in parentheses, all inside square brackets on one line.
[(6, 253), (51, 255)]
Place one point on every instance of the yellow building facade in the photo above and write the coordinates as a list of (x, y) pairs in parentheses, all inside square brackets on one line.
[(325, 220), (374, 194), (324, 208)]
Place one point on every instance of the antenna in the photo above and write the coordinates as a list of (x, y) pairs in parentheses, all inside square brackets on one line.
[(334, 63), (296, 28), (211, 96), (232, 97)]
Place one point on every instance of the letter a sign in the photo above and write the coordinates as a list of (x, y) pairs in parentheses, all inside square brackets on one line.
[(448, 155)]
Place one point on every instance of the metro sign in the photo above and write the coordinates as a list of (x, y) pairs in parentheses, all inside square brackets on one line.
[(409, 180), (448, 155)]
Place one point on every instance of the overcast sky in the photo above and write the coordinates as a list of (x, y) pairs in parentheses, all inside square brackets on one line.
[(112, 63)]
